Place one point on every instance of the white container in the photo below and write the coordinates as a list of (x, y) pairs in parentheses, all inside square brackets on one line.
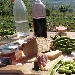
[(8, 48), (21, 18)]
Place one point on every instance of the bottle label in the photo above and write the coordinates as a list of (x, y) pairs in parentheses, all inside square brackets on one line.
[(21, 21)]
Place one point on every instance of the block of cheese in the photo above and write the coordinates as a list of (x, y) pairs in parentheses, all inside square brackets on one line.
[(53, 54)]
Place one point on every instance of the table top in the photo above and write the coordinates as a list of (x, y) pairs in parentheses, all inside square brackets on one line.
[(26, 68), (13, 38)]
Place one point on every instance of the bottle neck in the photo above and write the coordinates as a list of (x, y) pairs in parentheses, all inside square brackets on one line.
[(17, 1), (37, 0), (12, 1)]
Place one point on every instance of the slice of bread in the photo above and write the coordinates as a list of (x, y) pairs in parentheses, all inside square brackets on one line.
[(43, 44), (30, 48), (53, 54)]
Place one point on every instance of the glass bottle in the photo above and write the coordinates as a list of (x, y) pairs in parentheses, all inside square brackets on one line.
[(39, 19)]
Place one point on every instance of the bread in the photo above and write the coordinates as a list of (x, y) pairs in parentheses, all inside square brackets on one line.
[(43, 44), (53, 54), (30, 48)]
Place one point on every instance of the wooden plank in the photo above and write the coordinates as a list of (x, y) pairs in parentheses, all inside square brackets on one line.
[(13, 38), (27, 68)]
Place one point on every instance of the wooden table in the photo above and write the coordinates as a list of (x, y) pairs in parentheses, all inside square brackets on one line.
[(13, 38), (26, 69)]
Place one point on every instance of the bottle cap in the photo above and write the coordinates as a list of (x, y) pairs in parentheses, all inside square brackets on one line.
[(37, 0), (12, 1)]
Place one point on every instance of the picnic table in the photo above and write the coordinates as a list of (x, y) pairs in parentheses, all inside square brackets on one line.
[(27, 67), (13, 38)]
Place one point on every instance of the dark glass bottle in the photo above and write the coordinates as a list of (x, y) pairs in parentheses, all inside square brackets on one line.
[(39, 19)]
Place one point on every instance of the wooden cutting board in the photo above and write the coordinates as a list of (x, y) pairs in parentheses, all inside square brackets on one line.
[(26, 68)]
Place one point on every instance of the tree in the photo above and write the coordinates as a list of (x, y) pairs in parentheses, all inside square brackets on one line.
[(5, 7), (48, 10), (29, 7), (63, 9)]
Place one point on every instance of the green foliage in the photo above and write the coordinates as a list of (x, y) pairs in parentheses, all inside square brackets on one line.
[(6, 7), (48, 10), (29, 9), (7, 26), (54, 17), (63, 9)]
